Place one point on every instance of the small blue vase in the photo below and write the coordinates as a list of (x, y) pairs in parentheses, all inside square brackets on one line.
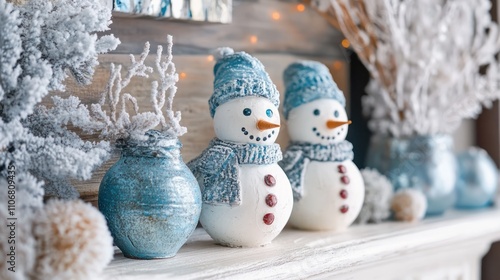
[(426, 163), (477, 180), (151, 200)]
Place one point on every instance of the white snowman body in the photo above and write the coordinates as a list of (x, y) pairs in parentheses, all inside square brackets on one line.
[(333, 192), (265, 192)]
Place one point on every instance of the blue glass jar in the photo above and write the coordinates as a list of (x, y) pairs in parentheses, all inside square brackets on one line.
[(426, 163), (477, 179), (151, 200)]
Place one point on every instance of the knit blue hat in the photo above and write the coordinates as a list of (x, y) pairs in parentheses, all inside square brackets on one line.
[(239, 75), (306, 81)]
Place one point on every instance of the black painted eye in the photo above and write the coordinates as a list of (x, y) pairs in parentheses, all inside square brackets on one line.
[(316, 112), (269, 113), (336, 113), (247, 111)]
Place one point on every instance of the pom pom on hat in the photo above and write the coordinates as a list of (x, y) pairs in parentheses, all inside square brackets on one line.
[(306, 81), (239, 75), (222, 52)]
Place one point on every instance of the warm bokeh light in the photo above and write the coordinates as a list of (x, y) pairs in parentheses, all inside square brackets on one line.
[(254, 39), (210, 58), (276, 15), (301, 7), (337, 65), (345, 43), (183, 75)]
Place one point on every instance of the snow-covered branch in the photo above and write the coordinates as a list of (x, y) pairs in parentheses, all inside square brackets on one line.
[(425, 58), (117, 121)]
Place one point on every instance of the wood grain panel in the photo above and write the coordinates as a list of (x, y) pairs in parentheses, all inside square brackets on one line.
[(299, 33)]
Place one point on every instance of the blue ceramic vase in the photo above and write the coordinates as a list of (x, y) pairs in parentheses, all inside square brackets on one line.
[(426, 163), (151, 200), (477, 179)]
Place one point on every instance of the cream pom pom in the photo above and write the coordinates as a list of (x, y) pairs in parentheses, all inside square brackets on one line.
[(378, 194), (73, 241), (409, 205)]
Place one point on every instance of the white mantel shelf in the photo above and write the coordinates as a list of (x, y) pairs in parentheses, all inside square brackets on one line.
[(447, 247)]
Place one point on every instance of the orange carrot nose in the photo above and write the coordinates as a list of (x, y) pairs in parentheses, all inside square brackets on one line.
[(264, 125), (331, 124)]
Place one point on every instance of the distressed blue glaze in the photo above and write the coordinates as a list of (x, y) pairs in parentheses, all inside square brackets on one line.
[(306, 81), (294, 160), (218, 167), (477, 179), (151, 200), (426, 163)]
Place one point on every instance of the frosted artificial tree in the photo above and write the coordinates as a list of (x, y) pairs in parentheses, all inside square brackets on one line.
[(41, 44)]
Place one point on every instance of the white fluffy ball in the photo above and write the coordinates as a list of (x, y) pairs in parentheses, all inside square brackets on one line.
[(409, 205), (378, 194), (73, 241)]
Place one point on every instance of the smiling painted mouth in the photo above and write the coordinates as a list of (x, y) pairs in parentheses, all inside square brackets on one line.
[(319, 135), (251, 137)]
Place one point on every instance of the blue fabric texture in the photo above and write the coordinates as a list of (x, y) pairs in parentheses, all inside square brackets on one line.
[(239, 75), (298, 154), (306, 81), (218, 167)]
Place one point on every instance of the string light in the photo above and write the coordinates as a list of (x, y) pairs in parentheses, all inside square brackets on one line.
[(301, 7), (337, 65), (210, 58), (183, 75), (276, 16), (254, 39), (345, 43)]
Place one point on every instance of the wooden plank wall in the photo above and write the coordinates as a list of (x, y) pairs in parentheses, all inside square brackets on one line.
[(296, 35)]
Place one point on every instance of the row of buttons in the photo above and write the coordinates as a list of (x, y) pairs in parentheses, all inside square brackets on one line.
[(271, 199), (343, 193)]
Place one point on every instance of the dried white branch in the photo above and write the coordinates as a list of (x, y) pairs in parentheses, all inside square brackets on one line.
[(119, 123), (425, 58)]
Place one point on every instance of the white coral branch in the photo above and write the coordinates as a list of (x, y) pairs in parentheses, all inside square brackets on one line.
[(120, 123)]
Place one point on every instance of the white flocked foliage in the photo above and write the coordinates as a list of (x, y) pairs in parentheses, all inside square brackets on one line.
[(117, 123), (28, 199), (432, 62), (40, 43), (378, 195)]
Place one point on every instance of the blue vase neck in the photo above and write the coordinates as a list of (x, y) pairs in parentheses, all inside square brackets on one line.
[(154, 144)]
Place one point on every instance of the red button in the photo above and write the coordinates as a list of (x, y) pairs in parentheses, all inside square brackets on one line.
[(345, 180), (344, 209), (268, 218), (271, 200), (343, 194), (342, 169), (269, 180)]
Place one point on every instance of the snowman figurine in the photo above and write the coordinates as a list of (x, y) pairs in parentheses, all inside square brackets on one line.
[(327, 186), (247, 198)]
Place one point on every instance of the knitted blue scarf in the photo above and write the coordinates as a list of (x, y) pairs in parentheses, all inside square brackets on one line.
[(218, 167), (298, 154)]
